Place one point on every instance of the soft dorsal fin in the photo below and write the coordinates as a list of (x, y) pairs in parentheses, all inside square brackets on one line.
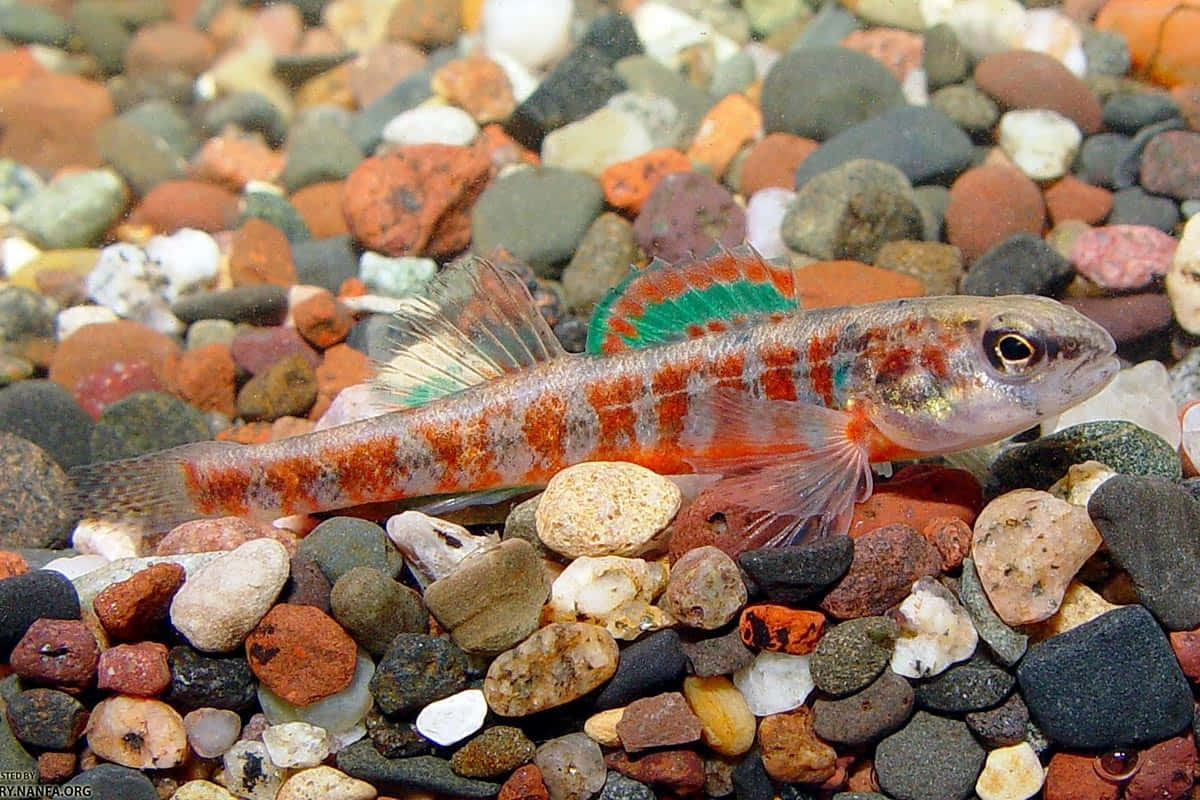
[(667, 302), (473, 323)]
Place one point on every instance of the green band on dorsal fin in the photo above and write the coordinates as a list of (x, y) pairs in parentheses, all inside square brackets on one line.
[(474, 322), (669, 302)]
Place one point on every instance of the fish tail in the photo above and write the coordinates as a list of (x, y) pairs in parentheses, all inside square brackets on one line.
[(150, 492)]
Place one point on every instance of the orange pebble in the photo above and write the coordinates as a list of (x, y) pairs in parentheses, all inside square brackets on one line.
[(1161, 34), (767, 626), (12, 564), (627, 184), (725, 128)]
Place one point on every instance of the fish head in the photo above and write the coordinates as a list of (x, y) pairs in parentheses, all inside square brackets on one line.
[(980, 369)]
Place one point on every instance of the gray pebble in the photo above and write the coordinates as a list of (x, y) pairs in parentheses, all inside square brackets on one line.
[(930, 758), (865, 716), (74, 210), (144, 422), (374, 608), (1005, 644), (970, 686), (1002, 726), (47, 415), (33, 24), (1135, 206), (361, 760), (35, 507), (417, 670), (318, 151), (944, 58), (852, 654), (339, 544), (249, 111)]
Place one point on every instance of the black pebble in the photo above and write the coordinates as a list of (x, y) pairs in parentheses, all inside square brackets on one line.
[(1021, 264), (47, 415), (262, 304), (46, 718), (361, 760), (970, 686), (930, 758), (1135, 206), (613, 36), (750, 779), (1098, 158), (324, 262), (416, 670), (582, 82), (1110, 682), (110, 782), (199, 680), (1150, 526), (790, 575), (647, 667), (29, 597)]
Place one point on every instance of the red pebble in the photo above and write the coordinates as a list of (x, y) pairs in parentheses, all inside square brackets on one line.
[(1186, 645), (261, 253), (206, 377), (524, 784), (12, 564), (952, 538), (322, 320), (918, 494), (95, 347), (55, 767), (112, 382), (131, 609), (988, 205), (679, 771), (887, 562), (301, 654), (57, 652), (1071, 776), (767, 626), (172, 205), (1165, 770), (138, 669), (221, 533)]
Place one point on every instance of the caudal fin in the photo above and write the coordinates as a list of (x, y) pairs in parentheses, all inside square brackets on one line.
[(148, 492)]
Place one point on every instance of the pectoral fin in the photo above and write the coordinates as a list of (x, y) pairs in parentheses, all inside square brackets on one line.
[(797, 465)]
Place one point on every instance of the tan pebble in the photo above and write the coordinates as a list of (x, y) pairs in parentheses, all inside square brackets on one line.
[(727, 726), (1027, 546), (202, 790), (1010, 773), (605, 508), (137, 733), (601, 727), (791, 751), (1183, 278), (1080, 604), (325, 783), (557, 664)]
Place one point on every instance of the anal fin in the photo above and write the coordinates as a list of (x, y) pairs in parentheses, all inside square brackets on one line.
[(795, 465), (473, 323)]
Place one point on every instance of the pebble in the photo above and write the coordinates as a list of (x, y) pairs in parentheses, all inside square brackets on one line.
[(987, 205), (680, 771), (572, 767), (1165, 769), (46, 414), (774, 682), (765, 212), (611, 591), (249, 772), (1099, 156), (300, 654), (451, 719), (766, 626), (143, 422), (772, 162), (432, 548), (590, 145), (1010, 773), (1006, 644), (578, 656), (112, 782), (852, 654), (1076, 688), (727, 725), (202, 681), (1122, 446), (1123, 256), (1041, 142), (1071, 198), (970, 686), (1027, 545), (340, 544), (524, 784), (652, 664), (1144, 521), (373, 608), (497, 751), (1170, 165), (416, 670), (1021, 264), (324, 782), (923, 143), (34, 509), (1135, 206), (361, 760), (686, 214), (46, 718), (1005, 725), (1026, 79), (211, 731), (618, 787), (887, 561), (72, 210), (222, 602), (601, 260), (342, 714), (492, 599), (791, 751), (135, 669), (969, 108), (137, 732), (850, 211), (296, 744), (57, 652), (705, 589), (820, 91), (935, 631), (539, 215), (663, 720), (507, 29), (605, 509), (930, 758), (867, 715), (1183, 278)]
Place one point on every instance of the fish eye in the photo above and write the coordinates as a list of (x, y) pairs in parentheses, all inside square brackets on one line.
[(1012, 352)]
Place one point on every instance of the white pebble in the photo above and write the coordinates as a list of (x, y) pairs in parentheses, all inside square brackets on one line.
[(1042, 143), (340, 714), (454, 718), (76, 566), (296, 744), (432, 547), (982, 26), (222, 601), (325, 783), (431, 124), (202, 790), (935, 631), (103, 538), (72, 319), (595, 587), (1183, 278), (212, 731), (353, 403), (665, 32), (1049, 31), (774, 682), (589, 145), (394, 277), (1140, 394), (188, 259), (127, 281), (249, 772), (534, 32), (764, 219), (16, 252), (1010, 773)]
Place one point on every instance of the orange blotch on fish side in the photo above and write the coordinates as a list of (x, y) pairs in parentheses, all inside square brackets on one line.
[(293, 479), (367, 471), (612, 399), (820, 371), (778, 381), (220, 490), (545, 429), (727, 369)]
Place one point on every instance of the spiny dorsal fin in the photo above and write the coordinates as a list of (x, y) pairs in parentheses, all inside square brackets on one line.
[(473, 323), (667, 302)]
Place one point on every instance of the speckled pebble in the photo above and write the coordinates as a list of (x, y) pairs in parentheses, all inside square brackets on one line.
[(494, 753), (867, 715), (853, 653), (930, 758), (705, 589), (557, 664), (791, 575), (416, 670)]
